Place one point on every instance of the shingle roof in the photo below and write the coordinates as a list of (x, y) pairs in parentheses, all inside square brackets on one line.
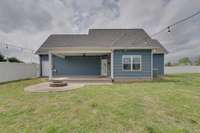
[(109, 38), (158, 47)]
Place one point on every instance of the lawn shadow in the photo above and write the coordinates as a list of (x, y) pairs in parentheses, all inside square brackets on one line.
[(17, 81), (22, 80)]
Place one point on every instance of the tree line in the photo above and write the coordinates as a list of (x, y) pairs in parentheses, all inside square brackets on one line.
[(10, 59), (185, 61)]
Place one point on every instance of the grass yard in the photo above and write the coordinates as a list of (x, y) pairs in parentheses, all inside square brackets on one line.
[(171, 105)]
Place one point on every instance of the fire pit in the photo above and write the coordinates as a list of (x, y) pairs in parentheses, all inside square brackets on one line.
[(57, 83)]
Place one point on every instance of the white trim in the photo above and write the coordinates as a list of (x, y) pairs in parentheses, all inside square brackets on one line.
[(112, 65), (61, 56), (82, 52), (134, 48), (132, 56), (164, 65), (93, 49), (77, 52), (50, 65), (126, 56), (78, 49), (140, 62)]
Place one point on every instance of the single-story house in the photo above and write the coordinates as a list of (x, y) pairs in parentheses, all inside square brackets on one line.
[(119, 54)]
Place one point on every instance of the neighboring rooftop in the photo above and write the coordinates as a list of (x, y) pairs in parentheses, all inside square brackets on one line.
[(101, 38)]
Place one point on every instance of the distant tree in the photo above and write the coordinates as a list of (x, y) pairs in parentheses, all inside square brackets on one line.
[(13, 59), (2, 58), (184, 61), (168, 64), (197, 62)]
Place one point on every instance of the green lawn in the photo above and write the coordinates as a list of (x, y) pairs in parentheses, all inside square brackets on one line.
[(171, 105)]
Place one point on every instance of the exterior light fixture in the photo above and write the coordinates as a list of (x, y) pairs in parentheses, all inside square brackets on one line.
[(169, 30)]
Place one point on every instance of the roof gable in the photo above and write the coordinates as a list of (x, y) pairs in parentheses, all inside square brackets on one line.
[(103, 38)]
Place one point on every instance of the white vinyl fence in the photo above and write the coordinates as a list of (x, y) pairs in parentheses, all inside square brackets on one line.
[(17, 71), (182, 69)]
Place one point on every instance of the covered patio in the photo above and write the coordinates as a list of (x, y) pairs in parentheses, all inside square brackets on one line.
[(81, 65)]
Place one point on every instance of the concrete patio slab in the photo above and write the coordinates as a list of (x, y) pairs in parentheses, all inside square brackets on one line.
[(44, 87)]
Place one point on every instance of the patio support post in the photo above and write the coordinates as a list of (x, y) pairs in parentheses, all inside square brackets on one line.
[(50, 65), (112, 72)]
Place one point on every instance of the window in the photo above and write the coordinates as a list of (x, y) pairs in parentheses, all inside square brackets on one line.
[(131, 63), (127, 63), (136, 63)]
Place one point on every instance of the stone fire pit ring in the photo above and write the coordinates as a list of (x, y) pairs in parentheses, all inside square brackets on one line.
[(58, 83)]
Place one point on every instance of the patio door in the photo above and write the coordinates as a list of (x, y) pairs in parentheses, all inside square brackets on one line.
[(104, 67)]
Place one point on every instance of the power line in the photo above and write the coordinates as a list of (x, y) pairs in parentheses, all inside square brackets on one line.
[(7, 45), (176, 23)]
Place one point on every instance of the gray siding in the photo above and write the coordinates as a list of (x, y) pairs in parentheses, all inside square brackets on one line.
[(91, 65), (158, 65), (76, 65), (146, 64)]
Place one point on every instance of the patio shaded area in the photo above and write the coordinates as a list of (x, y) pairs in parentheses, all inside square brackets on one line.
[(79, 63)]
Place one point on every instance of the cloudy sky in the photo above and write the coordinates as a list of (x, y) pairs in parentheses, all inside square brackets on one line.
[(28, 23)]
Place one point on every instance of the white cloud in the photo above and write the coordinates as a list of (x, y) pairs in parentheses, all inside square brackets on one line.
[(28, 23)]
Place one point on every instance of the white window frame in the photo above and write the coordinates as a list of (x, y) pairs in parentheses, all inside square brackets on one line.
[(126, 56), (137, 56), (131, 56)]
